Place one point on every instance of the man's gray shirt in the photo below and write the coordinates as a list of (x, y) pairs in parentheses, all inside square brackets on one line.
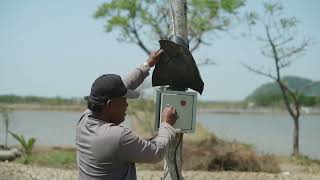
[(108, 151)]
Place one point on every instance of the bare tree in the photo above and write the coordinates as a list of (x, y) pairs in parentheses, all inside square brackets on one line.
[(282, 45)]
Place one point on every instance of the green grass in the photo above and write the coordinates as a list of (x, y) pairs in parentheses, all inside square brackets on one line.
[(58, 158)]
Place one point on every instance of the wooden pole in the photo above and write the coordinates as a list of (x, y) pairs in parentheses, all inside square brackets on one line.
[(173, 157)]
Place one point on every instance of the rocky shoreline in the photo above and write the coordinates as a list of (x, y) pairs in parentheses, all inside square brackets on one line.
[(15, 171)]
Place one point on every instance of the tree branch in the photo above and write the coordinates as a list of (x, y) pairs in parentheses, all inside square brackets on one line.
[(156, 27), (206, 62), (266, 53), (284, 41), (198, 42), (269, 75), (274, 52), (295, 50), (139, 41), (284, 64), (285, 90)]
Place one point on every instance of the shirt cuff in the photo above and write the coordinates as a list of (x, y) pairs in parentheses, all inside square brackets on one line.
[(144, 68), (168, 126)]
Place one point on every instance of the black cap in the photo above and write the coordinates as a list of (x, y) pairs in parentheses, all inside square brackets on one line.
[(109, 86)]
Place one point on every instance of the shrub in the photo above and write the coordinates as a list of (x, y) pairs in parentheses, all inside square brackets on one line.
[(27, 146)]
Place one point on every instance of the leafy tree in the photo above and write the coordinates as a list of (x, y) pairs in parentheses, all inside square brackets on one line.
[(138, 21), (282, 45)]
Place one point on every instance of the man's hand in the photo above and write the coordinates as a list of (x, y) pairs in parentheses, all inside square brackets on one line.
[(169, 115), (154, 57)]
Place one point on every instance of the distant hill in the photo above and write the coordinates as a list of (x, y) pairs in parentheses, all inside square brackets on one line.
[(270, 92)]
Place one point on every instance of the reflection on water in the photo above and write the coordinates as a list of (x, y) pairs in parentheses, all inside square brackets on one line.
[(268, 133)]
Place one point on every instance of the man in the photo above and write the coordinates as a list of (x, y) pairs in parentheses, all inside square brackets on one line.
[(107, 150)]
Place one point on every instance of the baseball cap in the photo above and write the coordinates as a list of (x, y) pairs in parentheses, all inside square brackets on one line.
[(109, 86)]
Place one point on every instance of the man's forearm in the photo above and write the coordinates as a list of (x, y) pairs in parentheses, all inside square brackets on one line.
[(136, 77)]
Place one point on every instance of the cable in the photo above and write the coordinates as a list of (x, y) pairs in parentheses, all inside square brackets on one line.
[(154, 136), (175, 157)]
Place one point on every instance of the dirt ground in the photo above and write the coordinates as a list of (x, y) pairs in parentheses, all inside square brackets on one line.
[(14, 171)]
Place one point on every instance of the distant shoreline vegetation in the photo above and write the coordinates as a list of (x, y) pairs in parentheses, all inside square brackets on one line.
[(16, 99), (35, 103), (58, 103)]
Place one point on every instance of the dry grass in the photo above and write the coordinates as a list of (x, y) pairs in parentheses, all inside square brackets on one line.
[(204, 151), (217, 155)]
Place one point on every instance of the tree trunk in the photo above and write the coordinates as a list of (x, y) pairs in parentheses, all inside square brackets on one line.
[(7, 131), (179, 15), (173, 157), (295, 114), (296, 150)]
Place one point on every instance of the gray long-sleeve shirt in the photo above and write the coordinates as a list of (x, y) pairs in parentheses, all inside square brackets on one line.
[(108, 151)]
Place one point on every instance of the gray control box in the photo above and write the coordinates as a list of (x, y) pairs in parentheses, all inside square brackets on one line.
[(185, 104)]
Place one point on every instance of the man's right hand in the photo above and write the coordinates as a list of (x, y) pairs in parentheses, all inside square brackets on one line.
[(169, 115), (154, 57)]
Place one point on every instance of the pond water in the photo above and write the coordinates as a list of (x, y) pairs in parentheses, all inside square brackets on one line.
[(268, 133)]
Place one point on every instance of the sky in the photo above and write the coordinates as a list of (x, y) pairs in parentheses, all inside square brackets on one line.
[(56, 48)]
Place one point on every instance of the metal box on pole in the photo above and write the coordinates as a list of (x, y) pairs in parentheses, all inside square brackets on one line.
[(185, 104)]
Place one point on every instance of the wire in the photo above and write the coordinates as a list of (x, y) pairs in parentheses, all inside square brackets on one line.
[(175, 157), (154, 136)]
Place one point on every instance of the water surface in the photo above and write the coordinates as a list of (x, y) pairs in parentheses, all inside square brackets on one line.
[(268, 133)]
